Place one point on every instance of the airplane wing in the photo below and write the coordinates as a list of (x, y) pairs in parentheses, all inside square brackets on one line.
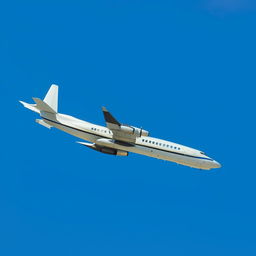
[(111, 122), (120, 131)]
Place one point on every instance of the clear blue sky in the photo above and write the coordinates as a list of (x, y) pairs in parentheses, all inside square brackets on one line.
[(185, 71)]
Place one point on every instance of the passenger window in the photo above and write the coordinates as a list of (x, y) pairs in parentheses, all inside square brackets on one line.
[(146, 140), (153, 142), (160, 144), (156, 143), (174, 147)]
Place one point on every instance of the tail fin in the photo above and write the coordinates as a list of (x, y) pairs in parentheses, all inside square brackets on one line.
[(51, 97), (49, 104)]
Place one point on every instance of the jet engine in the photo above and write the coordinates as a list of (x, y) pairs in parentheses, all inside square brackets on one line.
[(106, 147), (138, 132), (112, 151)]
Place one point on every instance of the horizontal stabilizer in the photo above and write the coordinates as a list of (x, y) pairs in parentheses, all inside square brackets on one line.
[(42, 106), (30, 106), (43, 123)]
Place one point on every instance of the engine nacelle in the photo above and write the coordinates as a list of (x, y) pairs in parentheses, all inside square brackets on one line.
[(144, 133), (105, 146), (112, 151), (127, 129), (134, 130)]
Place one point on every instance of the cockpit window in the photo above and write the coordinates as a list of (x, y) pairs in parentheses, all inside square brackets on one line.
[(202, 153)]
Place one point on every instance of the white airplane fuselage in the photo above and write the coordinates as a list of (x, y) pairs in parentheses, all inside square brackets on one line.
[(116, 138), (144, 145)]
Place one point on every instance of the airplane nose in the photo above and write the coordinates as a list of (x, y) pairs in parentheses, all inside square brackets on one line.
[(216, 164)]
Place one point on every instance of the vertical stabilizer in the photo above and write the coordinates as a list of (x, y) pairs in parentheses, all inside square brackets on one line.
[(51, 97)]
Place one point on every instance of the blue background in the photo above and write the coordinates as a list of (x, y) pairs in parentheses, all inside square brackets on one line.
[(185, 71)]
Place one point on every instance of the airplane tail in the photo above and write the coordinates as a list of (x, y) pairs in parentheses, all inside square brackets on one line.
[(51, 97), (49, 104)]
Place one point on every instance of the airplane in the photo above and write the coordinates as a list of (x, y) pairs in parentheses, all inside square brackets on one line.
[(116, 138)]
